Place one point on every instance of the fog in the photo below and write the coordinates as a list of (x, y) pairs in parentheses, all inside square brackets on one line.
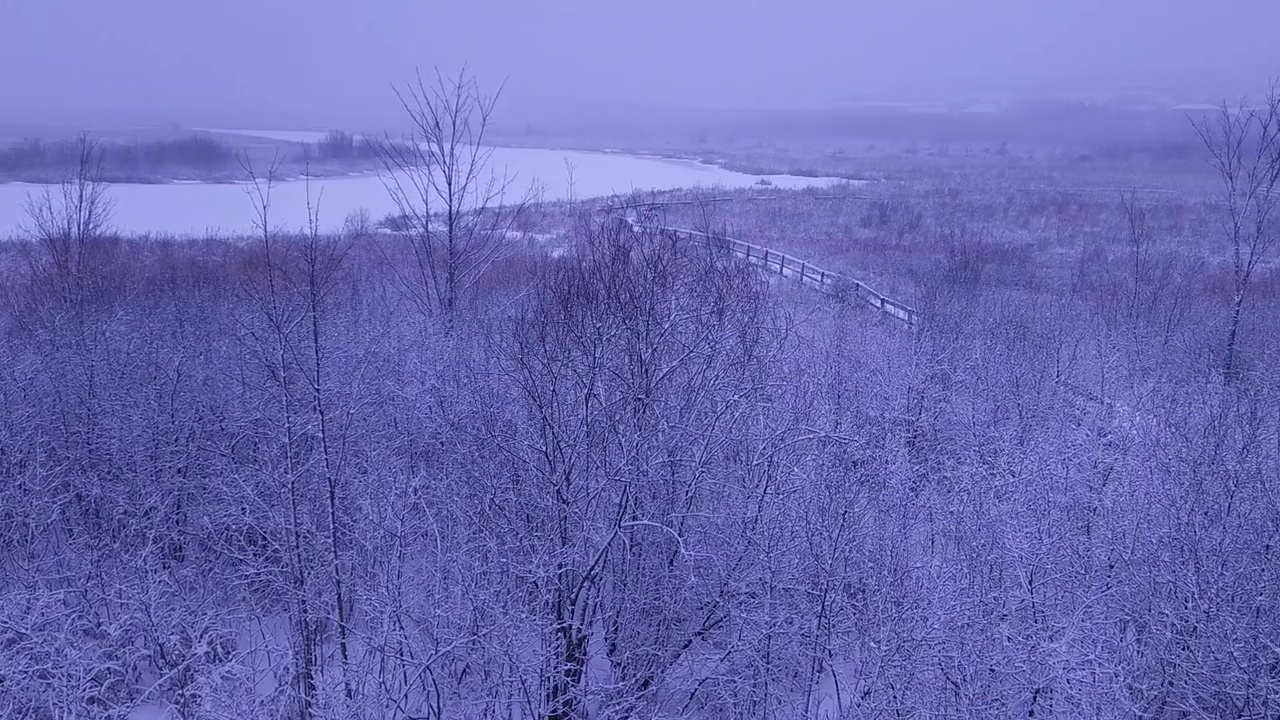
[(708, 382), (321, 62)]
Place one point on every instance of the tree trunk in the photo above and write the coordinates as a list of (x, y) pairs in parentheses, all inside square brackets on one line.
[(564, 700), (1230, 369)]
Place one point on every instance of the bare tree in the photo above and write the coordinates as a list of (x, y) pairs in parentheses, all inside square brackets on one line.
[(65, 220), (1244, 149), (270, 332), (1139, 237), (322, 265), (453, 206), (639, 368)]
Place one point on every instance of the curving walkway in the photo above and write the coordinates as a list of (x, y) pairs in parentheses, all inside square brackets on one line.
[(842, 287), (775, 261)]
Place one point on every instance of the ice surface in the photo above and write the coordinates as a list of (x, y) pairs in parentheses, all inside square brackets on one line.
[(198, 208)]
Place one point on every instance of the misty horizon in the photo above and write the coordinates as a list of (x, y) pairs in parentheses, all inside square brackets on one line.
[(741, 360), (144, 62)]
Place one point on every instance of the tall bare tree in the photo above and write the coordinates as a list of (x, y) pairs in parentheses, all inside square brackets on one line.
[(453, 205), (270, 332), (1244, 149), (323, 257), (65, 220)]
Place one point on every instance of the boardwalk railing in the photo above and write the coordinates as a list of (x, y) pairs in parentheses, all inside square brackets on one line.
[(809, 275), (658, 204), (812, 276), (784, 265)]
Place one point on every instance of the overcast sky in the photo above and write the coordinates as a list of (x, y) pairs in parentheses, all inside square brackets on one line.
[(246, 59)]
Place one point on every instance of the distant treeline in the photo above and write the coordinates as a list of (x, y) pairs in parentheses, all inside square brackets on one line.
[(1096, 131), (1051, 124), (199, 152), (153, 159), (342, 145)]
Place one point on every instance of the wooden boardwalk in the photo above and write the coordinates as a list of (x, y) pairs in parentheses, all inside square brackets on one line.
[(788, 266), (840, 286)]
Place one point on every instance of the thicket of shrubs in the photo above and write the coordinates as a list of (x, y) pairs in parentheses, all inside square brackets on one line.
[(277, 476), (342, 145)]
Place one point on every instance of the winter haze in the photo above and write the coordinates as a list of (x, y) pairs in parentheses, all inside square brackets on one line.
[(326, 62), (741, 361)]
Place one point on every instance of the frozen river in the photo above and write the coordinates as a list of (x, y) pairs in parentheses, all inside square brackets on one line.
[(200, 208)]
